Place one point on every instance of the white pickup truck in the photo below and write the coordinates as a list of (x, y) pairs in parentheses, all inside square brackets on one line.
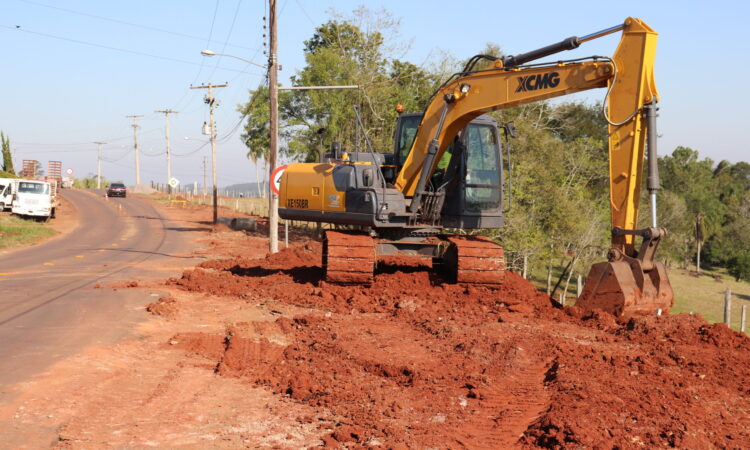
[(7, 188), (33, 199)]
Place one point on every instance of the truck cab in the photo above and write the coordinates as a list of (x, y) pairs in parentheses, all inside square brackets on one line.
[(33, 199), (7, 188)]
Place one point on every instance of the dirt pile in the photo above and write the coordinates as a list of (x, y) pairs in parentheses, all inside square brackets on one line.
[(409, 361), (166, 306)]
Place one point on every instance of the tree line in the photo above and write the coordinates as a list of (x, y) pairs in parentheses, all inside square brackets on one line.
[(560, 211)]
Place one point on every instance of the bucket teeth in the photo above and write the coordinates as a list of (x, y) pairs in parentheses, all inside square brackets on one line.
[(348, 258), (477, 260)]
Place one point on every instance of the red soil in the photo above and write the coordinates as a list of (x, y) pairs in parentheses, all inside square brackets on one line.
[(412, 361)]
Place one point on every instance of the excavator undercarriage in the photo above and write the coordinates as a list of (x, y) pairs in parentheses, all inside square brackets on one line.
[(350, 257)]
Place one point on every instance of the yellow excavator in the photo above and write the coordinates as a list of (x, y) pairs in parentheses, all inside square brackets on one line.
[(446, 172)]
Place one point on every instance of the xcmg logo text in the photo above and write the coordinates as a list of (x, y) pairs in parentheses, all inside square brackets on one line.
[(540, 81)]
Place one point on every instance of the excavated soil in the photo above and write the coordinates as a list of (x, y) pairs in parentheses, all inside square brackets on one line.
[(412, 361)]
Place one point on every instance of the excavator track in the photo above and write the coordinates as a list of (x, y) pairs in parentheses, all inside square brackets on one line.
[(348, 258), (477, 260)]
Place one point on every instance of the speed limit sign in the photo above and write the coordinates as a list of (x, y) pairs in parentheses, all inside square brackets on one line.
[(276, 179)]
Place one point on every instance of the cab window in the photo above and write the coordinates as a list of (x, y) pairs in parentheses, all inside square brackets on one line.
[(407, 133), (482, 168)]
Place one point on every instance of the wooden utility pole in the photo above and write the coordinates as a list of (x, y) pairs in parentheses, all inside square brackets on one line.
[(99, 165), (167, 112), (273, 204), (135, 146), (211, 102)]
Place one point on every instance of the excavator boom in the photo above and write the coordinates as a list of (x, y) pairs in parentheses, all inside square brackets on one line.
[(631, 97)]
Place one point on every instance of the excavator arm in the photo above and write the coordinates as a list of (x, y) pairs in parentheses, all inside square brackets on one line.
[(628, 75), (631, 281)]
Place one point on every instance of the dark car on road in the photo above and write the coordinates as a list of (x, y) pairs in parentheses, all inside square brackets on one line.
[(117, 190)]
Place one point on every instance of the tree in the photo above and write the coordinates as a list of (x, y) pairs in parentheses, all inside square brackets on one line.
[(739, 267), (354, 51), (256, 133), (7, 157)]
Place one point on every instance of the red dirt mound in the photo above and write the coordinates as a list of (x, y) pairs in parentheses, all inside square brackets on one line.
[(166, 306), (417, 362)]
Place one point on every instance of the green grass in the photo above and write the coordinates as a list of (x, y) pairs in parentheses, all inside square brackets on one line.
[(704, 294), (15, 232)]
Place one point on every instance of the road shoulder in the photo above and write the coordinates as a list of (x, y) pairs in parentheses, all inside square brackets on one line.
[(66, 220)]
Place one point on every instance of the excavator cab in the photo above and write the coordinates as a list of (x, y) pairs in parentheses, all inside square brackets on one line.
[(469, 173)]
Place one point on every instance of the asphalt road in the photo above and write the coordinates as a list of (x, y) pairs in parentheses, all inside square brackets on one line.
[(49, 308)]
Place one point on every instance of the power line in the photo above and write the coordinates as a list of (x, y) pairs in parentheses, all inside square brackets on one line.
[(118, 49), (122, 22), (229, 35), (127, 152), (50, 144), (203, 60)]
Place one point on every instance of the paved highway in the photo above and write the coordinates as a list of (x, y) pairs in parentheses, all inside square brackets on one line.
[(49, 307)]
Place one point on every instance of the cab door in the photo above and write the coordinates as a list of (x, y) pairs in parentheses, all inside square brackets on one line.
[(477, 201)]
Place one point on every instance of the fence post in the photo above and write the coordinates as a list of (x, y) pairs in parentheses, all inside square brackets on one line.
[(727, 306), (286, 234), (742, 321)]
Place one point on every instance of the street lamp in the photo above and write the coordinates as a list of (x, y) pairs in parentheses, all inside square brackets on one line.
[(208, 52)]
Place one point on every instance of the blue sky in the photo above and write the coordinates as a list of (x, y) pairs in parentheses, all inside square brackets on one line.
[(76, 68)]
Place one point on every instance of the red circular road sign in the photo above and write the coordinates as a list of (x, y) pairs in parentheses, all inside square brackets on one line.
[(276, 178)]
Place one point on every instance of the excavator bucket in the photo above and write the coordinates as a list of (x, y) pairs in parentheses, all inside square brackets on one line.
[(623, 288), (630, 285)]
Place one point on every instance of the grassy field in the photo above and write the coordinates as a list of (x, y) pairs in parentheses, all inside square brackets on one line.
[(704, 294), (15, 232)]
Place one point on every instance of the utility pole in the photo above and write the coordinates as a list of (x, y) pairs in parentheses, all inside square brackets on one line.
[(273, 206), (211, 101), (99, 165), (204, 176), (167, 112), (135, 146)]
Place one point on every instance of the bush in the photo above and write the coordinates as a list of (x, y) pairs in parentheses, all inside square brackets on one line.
[(739, 267)]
